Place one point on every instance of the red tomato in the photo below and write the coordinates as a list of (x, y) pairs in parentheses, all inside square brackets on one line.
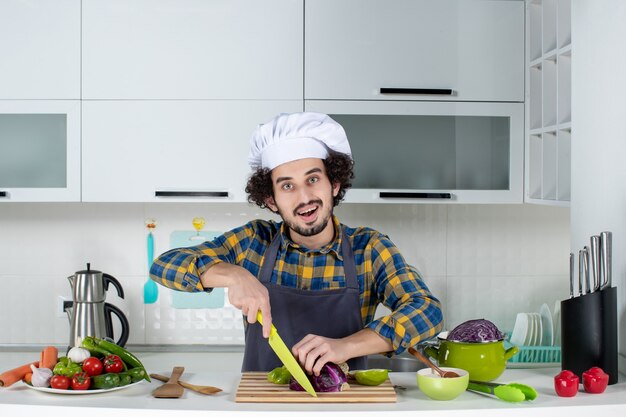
[(113, 364), (93, 366), (595, 380), (81, 381), (566, 384), (60, 382)]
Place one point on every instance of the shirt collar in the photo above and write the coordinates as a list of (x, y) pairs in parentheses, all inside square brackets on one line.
[(334, 245)]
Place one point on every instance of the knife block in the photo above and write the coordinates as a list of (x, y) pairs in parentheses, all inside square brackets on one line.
[(589, 333)]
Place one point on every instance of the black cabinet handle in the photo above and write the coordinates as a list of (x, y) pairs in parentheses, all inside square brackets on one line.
[(426, 91), (221, 194), (3, 194), (386, 194)]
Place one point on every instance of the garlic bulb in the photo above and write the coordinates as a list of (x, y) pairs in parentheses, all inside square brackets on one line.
[(41, 376), (78, 354)]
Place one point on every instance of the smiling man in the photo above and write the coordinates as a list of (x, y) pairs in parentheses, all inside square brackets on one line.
[(317, 280)]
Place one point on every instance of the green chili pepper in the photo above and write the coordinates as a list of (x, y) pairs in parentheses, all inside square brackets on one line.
[(112, 348), (106, 381), (91, 344)]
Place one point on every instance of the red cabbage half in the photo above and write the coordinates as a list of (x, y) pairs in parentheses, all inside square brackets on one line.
[(475, 331), (332, 378)]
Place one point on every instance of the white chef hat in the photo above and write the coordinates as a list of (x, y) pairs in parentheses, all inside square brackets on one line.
[(288, 137)]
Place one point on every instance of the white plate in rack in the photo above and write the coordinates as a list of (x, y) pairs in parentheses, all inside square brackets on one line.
[(547, 337)]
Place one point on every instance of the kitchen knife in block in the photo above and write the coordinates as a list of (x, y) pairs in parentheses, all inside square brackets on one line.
[(171, 389), (285, 356)]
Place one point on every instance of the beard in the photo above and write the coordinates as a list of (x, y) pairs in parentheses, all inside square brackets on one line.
[(307, 230)]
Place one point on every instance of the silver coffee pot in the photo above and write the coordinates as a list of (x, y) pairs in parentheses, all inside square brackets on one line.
[(88, 313)]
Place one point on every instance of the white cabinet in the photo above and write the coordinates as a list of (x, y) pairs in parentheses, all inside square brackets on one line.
[(40, 49), (192, 49), (416, 49), (172, 150), (548, 102), (39, 150), (432, 152)]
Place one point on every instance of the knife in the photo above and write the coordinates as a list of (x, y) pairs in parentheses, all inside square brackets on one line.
[(595, 261), (285, 356), (571, 275), (586, 268), (581, 270), (606, 249)]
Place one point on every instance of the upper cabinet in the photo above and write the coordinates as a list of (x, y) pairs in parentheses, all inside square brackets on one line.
[(40, 49), (192, 49), (39, 150), (548, 102), (414, 50)]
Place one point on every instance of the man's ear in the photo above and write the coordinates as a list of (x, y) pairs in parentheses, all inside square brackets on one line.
[(336, 188), (271, 204)]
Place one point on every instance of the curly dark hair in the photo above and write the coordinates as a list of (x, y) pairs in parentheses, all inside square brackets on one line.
[(339, 168)]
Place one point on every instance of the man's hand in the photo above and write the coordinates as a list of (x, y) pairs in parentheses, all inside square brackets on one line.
[(313, 351), (245, 292)]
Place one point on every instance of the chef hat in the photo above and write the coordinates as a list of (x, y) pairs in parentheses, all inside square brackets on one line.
[(288, 137)]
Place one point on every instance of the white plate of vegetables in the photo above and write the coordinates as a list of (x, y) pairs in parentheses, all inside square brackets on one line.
[(80, 392)]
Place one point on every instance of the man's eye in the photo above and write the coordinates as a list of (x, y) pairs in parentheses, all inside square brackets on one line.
[(313, 180), (287, 187)]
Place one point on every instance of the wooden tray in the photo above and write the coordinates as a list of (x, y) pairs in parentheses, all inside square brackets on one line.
[(255, 388)]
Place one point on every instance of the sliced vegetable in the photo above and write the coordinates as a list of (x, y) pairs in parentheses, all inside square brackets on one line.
[(11, 376), (49, 357), (279, 375), (60, 382), (332, 378), (127, 357), (371, 377), (81, 381), (78, 354), (93, 366), (41, 376), (113, 364), (106, 381), (475, 331)]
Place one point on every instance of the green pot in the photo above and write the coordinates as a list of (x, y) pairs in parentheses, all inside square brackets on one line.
[(484, 361)]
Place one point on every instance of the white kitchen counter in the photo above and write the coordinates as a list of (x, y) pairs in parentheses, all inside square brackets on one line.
[(222, 369)]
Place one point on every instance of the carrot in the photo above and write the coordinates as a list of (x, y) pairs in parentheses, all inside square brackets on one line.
[(49, 357), (11, 376), (28, 378)]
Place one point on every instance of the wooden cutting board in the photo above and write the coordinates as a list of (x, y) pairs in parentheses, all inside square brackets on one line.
[(255, 388)]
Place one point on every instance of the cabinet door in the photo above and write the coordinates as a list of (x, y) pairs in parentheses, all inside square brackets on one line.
[(189, 150), (432, 152), (192, 49), (356, 47), (40, 49), (39, 150)]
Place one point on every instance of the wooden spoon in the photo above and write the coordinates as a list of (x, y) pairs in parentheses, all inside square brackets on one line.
[(202, 389), (426, 361), (171, 389)]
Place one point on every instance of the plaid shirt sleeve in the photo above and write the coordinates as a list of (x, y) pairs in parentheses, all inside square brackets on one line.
[(415, 313), (180, 269)]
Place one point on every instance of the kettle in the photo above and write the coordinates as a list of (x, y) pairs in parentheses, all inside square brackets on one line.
[(88, 314)]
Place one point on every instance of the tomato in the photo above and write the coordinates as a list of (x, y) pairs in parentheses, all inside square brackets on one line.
[(93, 366), (81, 381), (60, 382), (595, 380), (113, 364), (566, 384)]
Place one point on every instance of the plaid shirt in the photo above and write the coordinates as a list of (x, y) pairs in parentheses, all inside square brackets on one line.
[(383, 274)]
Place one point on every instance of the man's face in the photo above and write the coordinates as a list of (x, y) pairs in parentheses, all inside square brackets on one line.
[(303, 196)]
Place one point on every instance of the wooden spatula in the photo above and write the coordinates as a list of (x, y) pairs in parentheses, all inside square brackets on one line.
[(202, 389), (171, 389)]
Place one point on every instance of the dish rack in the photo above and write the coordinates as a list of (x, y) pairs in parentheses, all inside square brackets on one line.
[(537, 354)]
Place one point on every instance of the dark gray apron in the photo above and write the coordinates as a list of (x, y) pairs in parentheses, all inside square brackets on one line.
[(297, 312)]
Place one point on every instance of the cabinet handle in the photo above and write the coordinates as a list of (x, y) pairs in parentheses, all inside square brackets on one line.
[(427, 91), (385, 194), (3, 194), (222, 194)]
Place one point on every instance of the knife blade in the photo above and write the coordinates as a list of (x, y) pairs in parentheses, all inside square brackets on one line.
[(286, 357), (581, 270), (586, 269), (606, 256), (571, 275)]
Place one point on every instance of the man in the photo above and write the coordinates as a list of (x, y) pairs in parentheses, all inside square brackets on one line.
[(319, 281)]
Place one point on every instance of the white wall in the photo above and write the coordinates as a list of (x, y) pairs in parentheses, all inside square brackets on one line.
[(599, 135), (482, 261)]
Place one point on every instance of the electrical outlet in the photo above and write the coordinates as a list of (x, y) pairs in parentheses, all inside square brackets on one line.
[(61, 303)]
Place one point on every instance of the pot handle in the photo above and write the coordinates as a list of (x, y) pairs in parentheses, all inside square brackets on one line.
[(508, 354), (432, 351)]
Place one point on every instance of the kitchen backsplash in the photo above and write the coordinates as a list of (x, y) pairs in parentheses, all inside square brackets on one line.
[(481, 261)]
